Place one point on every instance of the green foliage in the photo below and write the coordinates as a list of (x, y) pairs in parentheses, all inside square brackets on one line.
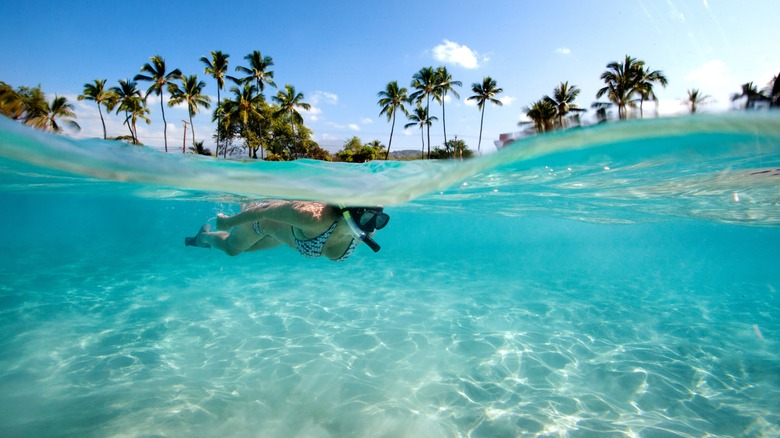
[(216, 67), (453, 149), (128, 100), (257, 70), (484, 93), (33, 101), (97, 92), (751, 95), (543, 113), (392, 99), (624, 80), (156, 73), (356, 152), (31, 107), (197, 148), (10, 102), (695, 98), (191, 93)]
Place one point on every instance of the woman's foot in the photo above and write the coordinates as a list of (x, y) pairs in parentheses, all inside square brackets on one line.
[(197, 240)]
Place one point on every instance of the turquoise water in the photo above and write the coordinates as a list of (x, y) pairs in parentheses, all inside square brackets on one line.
[(613, 281)]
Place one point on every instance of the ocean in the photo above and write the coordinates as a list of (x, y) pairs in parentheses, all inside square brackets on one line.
[(612, 281)]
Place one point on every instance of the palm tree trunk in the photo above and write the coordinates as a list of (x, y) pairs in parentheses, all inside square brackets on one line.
[(102, 121), (481, 121), (443, 122), (389, 143), (165, 124), (219, 122), (192, 127), (130, 127), (428, 124), (422, 139)]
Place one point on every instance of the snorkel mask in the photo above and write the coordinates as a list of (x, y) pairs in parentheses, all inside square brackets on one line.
[(365, 220)]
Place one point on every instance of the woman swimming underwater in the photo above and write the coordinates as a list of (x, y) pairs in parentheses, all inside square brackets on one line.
[(312, 228)]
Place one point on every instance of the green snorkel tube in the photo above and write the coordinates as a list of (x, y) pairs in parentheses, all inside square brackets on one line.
[(357, 232)]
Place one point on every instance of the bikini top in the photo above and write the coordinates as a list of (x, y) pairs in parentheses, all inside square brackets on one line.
[(313, 247)]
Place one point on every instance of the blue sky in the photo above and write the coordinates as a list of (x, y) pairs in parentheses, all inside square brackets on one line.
[(341, 54)]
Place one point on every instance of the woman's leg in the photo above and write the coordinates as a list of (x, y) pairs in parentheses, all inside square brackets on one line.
[(241, 238), (276, 233)]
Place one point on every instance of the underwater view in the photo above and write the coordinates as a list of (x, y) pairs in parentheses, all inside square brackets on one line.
[(617, 280)]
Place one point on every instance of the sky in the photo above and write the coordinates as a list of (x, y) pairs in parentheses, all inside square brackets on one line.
[(341, 54)]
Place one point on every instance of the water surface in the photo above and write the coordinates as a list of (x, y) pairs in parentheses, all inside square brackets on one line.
[(612, 281)]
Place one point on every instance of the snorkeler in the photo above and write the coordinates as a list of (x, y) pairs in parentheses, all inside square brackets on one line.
[(312, 228)]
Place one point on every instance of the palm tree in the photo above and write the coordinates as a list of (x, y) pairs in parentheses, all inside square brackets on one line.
[(621, 79), (258, 70), (190, 92), (445, 85), (126, 96), (484, 93), (377, 146), (644, 85), (197, 148), (216, 67), (11, 103), (98, 93), (391, 100), (563, 100), (34, 107), (751, 93), (289, 101), (59, 108), (420, 117), (159, 78), (695, 99), (135, 107), (425, 82), (601, 110), (773, 91), (244, 106), (542, 113)]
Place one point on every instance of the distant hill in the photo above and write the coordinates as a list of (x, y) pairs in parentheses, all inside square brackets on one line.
[(407, 154)]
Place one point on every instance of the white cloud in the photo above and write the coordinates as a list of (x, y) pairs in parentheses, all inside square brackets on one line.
[(354, 127), (329, 137), (366, 121), (324, 97), (453, 53), (334, 125), (712, 74), (470, 102), (563, 51), (507, 100), (714, 78), (312, 114)]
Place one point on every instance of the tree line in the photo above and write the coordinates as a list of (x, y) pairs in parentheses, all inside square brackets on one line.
[(436, 84), (627, 86), (247, 120)]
